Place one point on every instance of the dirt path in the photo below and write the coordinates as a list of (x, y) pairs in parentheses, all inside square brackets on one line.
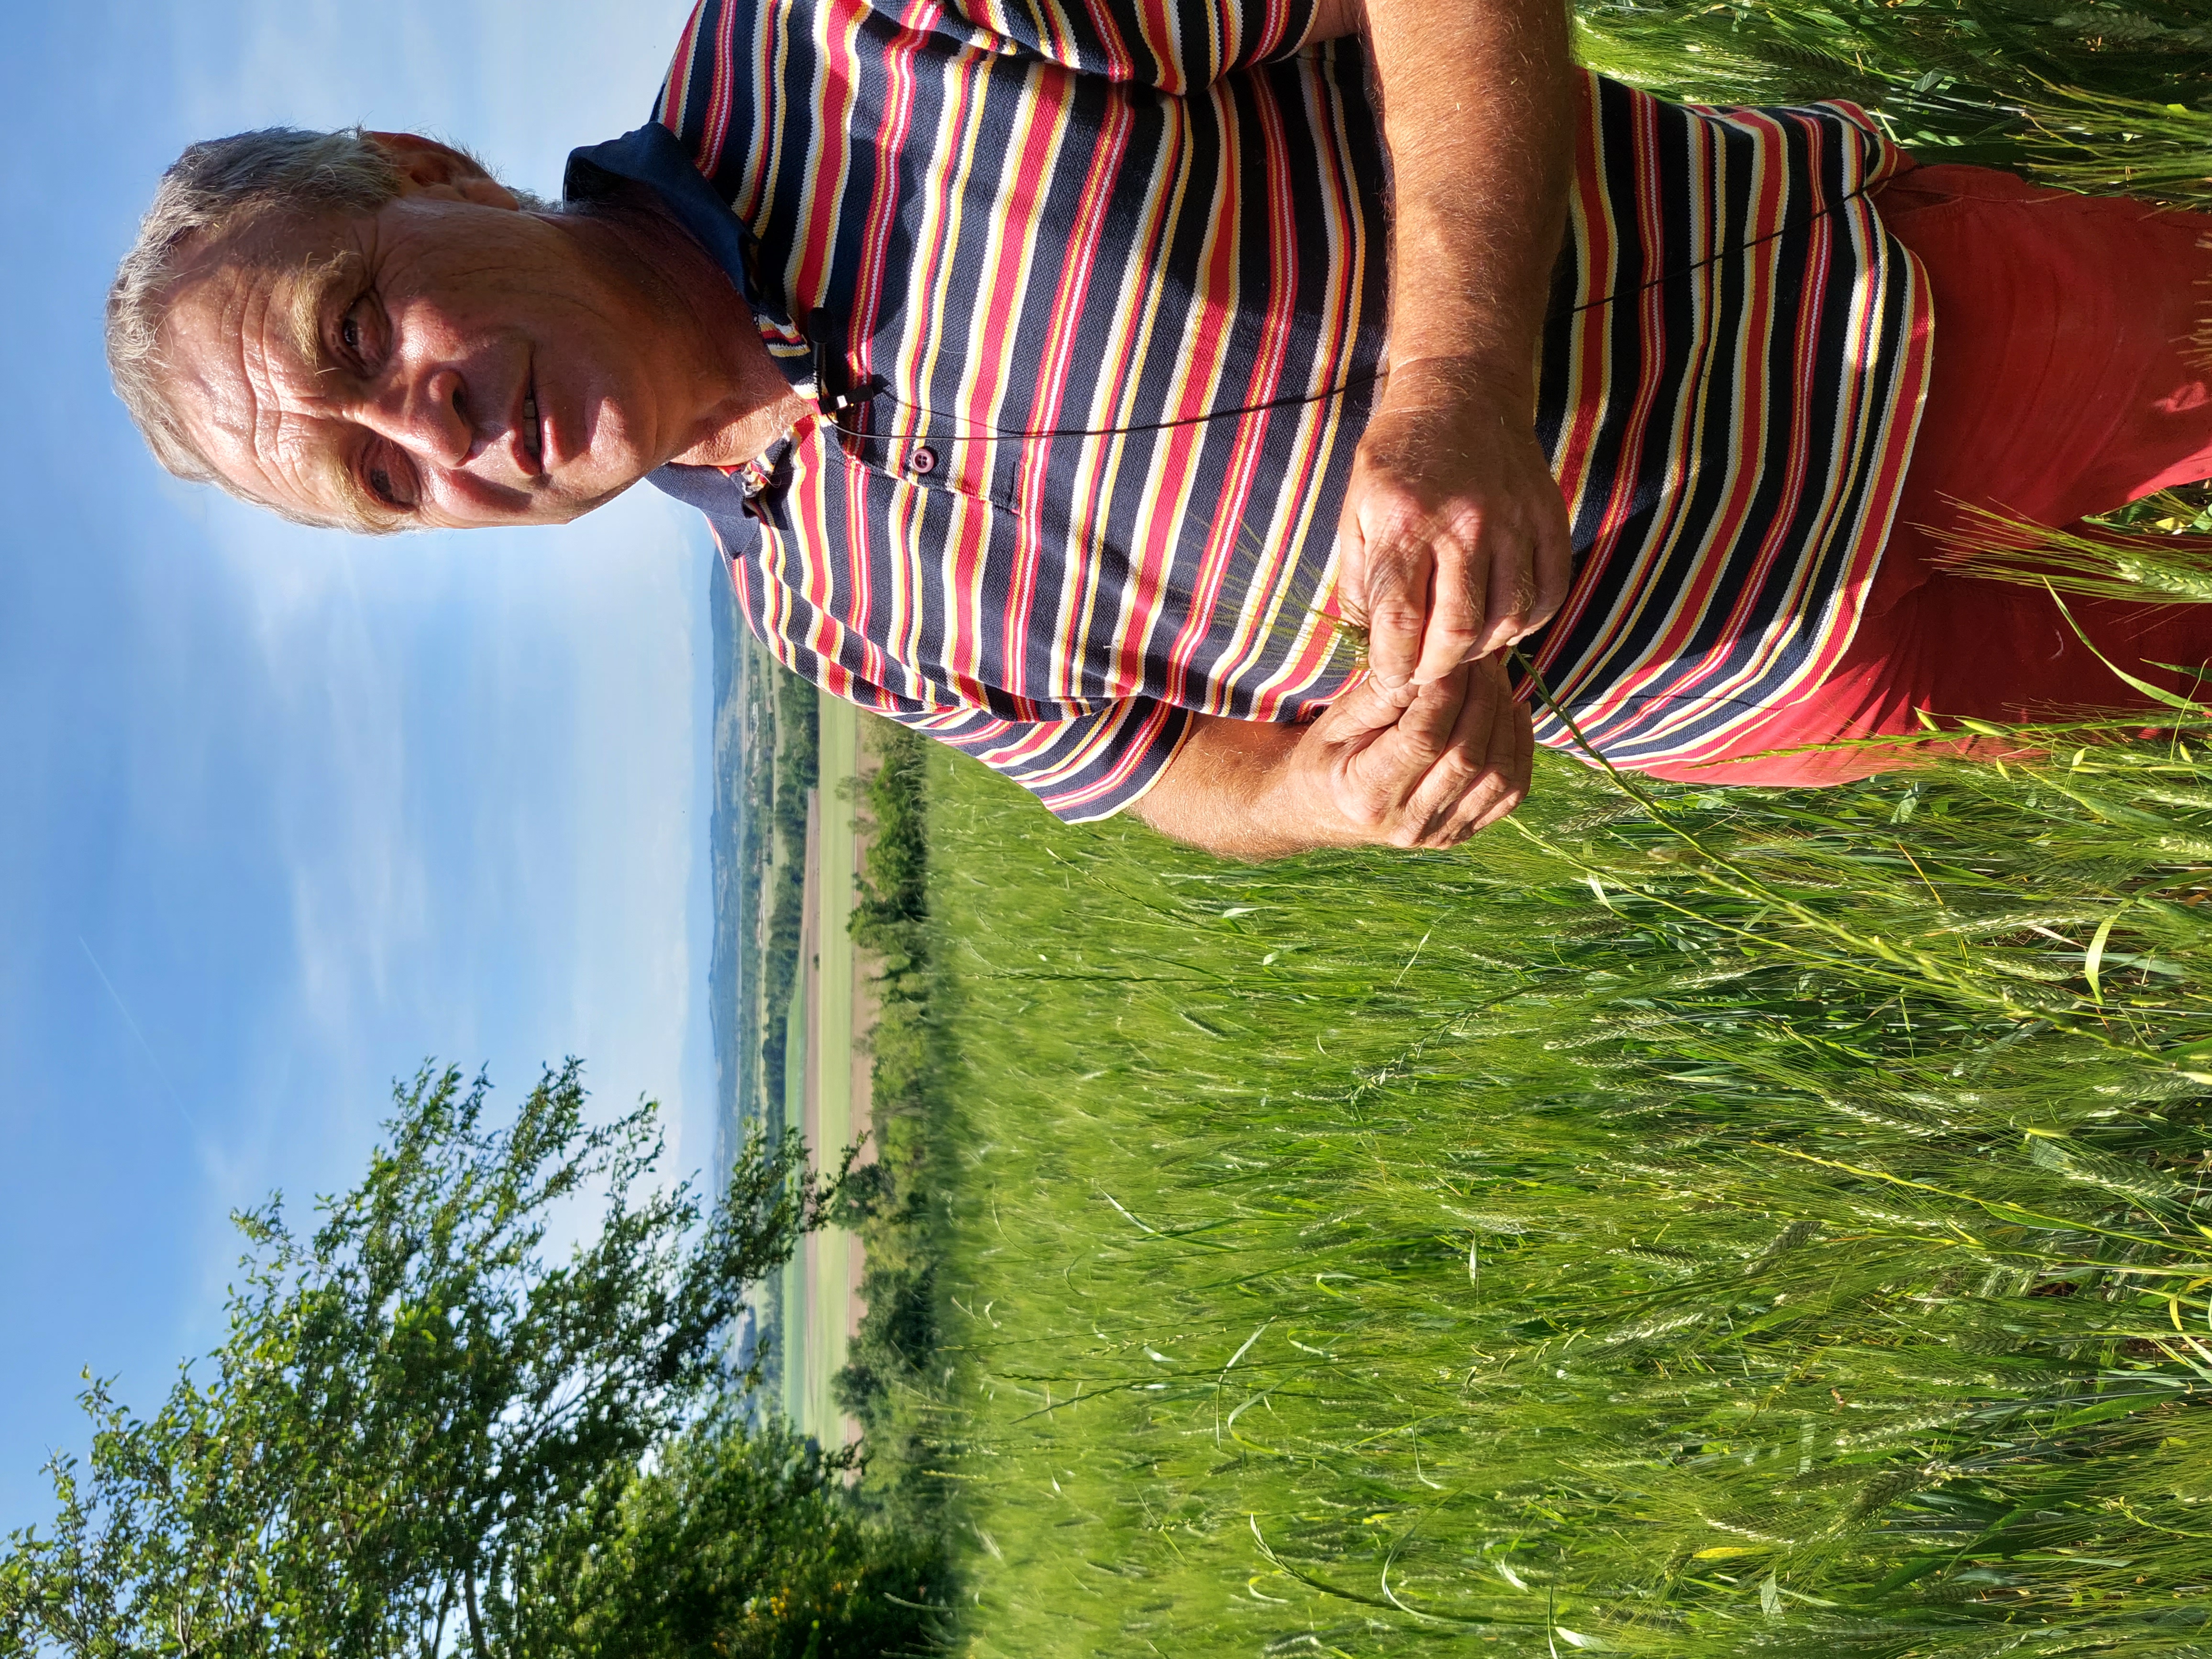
[(822, 1304)]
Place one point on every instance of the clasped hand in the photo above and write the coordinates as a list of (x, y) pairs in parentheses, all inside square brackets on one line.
[(1454, 545), (1408, 765), (1453, 539)]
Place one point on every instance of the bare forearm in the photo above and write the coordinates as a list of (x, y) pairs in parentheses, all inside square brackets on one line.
[(1455, 539), (1477, 109), (1219, 793), (1478, 104)]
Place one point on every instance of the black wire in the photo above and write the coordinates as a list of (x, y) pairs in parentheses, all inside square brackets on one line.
[(1715, 258), (876, 387), (882, 390)]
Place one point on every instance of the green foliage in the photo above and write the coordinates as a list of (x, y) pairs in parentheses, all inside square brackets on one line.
[(894, 901), (737, 1544), (409, 1399), (2090, 93), (1715, 1222), (891, 1382), (741, 833), (2175, 565), (2182, 511)]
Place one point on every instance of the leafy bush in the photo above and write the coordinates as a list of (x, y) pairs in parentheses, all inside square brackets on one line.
[(737, 1544)]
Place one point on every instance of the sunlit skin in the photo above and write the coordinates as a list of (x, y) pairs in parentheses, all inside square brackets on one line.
[(454, 360)]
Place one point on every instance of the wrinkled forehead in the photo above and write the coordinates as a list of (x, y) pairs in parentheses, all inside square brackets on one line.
[(267, 280), (241, 348)]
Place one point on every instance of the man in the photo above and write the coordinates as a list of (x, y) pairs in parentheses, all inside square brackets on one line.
[(1043, 373)]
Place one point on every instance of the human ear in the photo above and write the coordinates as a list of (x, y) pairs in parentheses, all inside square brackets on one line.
[(431, 168)]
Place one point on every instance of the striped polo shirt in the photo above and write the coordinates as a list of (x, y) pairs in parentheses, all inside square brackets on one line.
[(1091, 299)]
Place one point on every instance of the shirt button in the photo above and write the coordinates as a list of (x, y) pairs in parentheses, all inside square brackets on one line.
[(922, 462)]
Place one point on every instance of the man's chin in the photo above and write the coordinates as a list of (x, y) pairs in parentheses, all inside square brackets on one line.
[(576, 505), (566, 506)]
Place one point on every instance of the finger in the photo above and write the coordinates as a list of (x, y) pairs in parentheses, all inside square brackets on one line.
[(1500, 782), (1399, 570), (1374, 770), (1513, 760), (1462, 766), (1391, 767), (1456, 607), (1362, 712), (1426, 729), (1554, 566), (1512, 592)]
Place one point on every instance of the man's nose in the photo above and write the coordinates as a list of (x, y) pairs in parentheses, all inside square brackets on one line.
[(426, 414)]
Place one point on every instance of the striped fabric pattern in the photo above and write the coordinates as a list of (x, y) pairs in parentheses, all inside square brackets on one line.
[(1092, 295), (1733, 371)]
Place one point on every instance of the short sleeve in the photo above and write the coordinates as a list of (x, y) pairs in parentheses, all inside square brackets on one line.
[(1083, 761), (1083, 768), (1175, 46)]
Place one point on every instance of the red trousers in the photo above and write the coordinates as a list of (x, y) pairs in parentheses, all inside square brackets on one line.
[(2065, 382)]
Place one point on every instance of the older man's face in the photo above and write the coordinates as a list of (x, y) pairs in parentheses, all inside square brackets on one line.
[(448, 361)]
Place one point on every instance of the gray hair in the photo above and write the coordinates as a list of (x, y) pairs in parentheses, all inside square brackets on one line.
[(213, 189)]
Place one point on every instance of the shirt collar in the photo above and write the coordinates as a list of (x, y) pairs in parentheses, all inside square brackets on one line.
[(652, 156)]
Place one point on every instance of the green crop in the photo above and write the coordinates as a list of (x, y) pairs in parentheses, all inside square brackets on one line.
[(1725, 1220)]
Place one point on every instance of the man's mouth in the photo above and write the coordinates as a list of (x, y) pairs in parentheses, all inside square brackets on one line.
[(533, 430)]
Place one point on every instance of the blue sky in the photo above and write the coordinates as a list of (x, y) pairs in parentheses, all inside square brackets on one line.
[(286, 811)]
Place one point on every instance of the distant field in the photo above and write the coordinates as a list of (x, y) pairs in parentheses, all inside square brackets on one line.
[(1746, 1228), (823, 1080)]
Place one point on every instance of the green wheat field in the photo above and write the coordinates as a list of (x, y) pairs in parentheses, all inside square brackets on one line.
[(1687, 1221), (1733, 1226)]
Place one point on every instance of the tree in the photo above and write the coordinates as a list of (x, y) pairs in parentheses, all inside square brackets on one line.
[(411, 1406), (737, 1544)]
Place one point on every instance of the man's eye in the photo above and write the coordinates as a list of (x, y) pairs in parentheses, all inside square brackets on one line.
[(353, 331), (387, 483)]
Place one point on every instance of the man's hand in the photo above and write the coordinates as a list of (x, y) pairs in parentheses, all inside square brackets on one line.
[(1454, 540), (1424, 766), (1407, 766)]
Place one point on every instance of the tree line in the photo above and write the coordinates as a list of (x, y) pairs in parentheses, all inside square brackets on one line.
[(423, 1433)]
